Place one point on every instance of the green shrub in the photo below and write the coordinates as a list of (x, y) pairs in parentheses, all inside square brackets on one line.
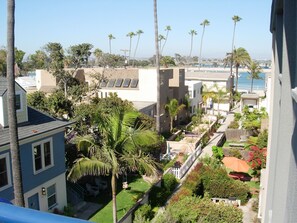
[(255, 205), (144, 212), (262, 139), (195, 209), (236, 153), (233, 125), (169, 182), (158, 196), (217, 183), (237, 116)]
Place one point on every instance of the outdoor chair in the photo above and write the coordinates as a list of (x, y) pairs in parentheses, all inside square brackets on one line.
[(92, 190)]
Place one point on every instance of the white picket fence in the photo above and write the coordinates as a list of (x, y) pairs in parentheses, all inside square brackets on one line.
[(180, 172)]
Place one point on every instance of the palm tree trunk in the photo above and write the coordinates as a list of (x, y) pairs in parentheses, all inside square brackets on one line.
[(109, 46), (12, 119), (158, 127), (130, 50), (236, 86), (252, 85), (201, 47), (135, 50), (114, 198), (191, 46), (171, 124)]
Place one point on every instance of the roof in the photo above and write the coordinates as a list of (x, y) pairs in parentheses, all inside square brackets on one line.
[(3, 85), (139, 105), (207, 75), (250, 96), (37, 124)]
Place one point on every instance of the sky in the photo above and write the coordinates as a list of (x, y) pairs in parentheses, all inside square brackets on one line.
[(72, 22)]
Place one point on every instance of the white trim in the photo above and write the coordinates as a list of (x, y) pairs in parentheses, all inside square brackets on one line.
[(41, 143), (8, 170)]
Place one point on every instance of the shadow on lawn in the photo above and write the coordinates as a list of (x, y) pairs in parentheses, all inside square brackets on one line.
[(104, 197)]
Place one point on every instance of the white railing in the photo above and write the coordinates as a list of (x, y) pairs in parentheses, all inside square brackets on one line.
[(180, 172)]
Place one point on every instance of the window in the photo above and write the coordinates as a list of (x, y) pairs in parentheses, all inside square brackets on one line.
[(18, 105), (5, 180), (42, 155), (51, 196)]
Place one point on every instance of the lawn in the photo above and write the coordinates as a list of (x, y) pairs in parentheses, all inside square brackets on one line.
[(125, 200)]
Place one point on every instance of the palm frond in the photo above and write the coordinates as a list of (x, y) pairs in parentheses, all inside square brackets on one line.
[(86, 166)]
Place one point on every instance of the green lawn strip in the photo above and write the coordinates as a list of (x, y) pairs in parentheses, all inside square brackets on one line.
[(125, 200), (254, 184)]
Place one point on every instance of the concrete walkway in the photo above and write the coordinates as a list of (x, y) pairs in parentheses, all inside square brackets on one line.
[(248, 214)]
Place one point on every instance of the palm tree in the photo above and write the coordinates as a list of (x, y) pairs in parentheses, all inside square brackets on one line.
[(204, 23), (240, 58), (130, 35), (110, 38), (207, 93), (12, 119), (173, 109), (158, 126), (192, 33), (167, 29), (219, 95), (121, 151), (236, 19), (139, 32), (161, 37), (254, 71)]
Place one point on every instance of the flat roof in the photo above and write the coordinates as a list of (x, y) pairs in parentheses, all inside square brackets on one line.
[(139, 105), (207, 75)]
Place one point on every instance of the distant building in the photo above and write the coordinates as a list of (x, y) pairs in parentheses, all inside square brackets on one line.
[(42, 154)]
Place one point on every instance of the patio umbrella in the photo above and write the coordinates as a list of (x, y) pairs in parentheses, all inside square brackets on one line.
[(236, 164)]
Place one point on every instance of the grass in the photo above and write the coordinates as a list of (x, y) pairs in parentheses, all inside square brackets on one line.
[(125, 200), (253, 184)]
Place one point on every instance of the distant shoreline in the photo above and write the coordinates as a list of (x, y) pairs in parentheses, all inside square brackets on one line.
[(225, 69)]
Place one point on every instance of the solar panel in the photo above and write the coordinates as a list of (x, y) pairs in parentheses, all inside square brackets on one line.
[(111, 83), (126, 82), (134, 83), (103, 83), (119, 82)]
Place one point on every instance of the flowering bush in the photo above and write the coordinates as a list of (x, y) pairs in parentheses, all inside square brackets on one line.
[(257, 159)]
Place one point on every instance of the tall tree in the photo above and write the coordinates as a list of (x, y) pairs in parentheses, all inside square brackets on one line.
[(192, 33), (79, 54), (240, 58), (167, 29), (98, 55), (254, 70), (12, 119), (204, 23), (160, 38), (139, 32), (110, 38), (219, 95), (38, 60), (236, 19), (158, 126), (121, 151), (130, 35), (173, 109)]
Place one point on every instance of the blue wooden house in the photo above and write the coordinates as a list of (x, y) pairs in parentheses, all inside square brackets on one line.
[(42, 153)]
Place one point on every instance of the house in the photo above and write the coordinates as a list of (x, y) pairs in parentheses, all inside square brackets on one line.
[(250, 100), (211, 80), (278, 194), (195, 95), (41, 143), (140, 87)]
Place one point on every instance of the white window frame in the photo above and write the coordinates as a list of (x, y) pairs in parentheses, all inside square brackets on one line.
[(8, 171), (54, 194), (41, 143), (21, 101)]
